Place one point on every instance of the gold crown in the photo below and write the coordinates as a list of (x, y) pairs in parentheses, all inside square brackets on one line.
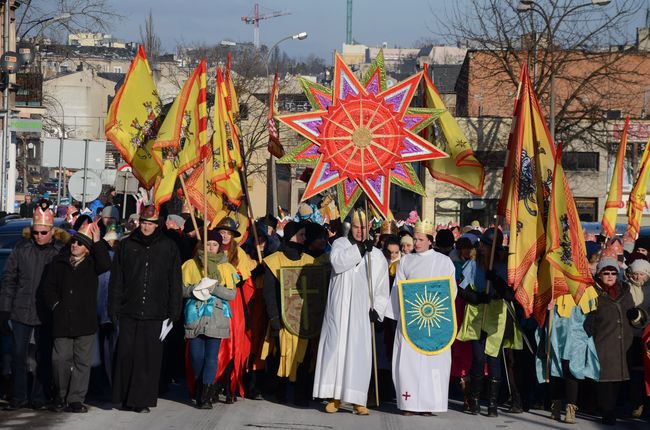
[(424, 227), (358, 217)]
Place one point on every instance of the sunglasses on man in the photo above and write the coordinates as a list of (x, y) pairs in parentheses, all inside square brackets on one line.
[(41, 232)]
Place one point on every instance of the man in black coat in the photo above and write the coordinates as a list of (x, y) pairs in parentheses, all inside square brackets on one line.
[(70, 292), (145, 289), (27, 207), (19, 315)]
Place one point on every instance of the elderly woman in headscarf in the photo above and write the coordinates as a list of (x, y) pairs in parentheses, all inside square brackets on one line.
[(636, 277)]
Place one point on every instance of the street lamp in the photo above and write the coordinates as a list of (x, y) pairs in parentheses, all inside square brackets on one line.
[(533, 6), (272, 184)]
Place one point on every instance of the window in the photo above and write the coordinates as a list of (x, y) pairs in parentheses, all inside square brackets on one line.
[(587, 208), (117, 69), (580, 161), (491, 159)]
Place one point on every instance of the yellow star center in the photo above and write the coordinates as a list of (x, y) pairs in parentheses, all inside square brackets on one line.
[(361, 137)]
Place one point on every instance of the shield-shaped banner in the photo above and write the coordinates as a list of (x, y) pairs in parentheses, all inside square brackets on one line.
[(428, 314), (303, 293)]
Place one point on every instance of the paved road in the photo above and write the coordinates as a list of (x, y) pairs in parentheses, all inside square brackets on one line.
[(174, 413)]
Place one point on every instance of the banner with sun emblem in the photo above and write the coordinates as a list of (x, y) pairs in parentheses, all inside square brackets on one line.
[(428, 314)]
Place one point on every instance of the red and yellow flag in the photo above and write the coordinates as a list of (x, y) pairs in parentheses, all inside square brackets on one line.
[(133, 120), (526, 189), (615, 195), (565, 249), (637, 195), (183, 135), (231, 96), (275, 147), (461, 168)]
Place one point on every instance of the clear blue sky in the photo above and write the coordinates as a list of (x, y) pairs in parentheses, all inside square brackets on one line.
[(397, 22)]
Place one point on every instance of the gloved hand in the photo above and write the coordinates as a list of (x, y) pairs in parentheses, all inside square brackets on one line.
[(276, 325), (362, 248), (5, 330), (374, 316), (588, 325), (490, 275), (368, 245), (633, 314)]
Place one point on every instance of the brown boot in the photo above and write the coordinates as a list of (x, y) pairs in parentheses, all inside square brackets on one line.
[(570, 414), (332, 406), (467, 392), (360, 410)]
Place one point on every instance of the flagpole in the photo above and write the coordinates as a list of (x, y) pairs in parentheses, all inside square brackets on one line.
[(493, 251), (372, 306), (205, 219), (187, 197)]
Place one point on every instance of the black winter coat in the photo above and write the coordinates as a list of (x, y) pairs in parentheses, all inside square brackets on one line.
[(23, 275), (612, 333), (146, 282), (71, 293)]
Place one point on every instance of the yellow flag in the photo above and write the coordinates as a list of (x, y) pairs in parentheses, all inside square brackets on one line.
[(615, 195), (564, 237), (527, 184), (461, 168), (133, 120), (182, 136), (224, 170), (637, 195)]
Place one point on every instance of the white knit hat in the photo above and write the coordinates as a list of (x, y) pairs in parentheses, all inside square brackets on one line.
[(640, 265)]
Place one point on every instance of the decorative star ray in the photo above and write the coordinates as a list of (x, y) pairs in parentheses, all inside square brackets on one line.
[(361, 137)]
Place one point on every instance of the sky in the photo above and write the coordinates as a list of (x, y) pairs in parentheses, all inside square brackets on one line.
[(373, 22), (397, 22)]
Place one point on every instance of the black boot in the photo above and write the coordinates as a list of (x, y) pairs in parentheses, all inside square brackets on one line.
[(476, 386), (493, 397), (515, 403), (198, 386), (204, 398)]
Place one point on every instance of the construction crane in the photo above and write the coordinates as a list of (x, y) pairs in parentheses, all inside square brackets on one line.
[(256, 18)]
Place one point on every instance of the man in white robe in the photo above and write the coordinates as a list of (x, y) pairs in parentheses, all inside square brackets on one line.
[(344, 364), (421, 381)]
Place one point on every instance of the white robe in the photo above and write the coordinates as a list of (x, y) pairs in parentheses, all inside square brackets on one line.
[(344, 363), (421, 381)]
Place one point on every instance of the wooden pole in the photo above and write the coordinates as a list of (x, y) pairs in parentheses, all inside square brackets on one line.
[(493, 250), (205, 220), (372, 306), (187, 196)]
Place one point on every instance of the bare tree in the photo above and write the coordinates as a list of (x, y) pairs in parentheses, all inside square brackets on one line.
[(567, 44), (59, 17), (150, 40)]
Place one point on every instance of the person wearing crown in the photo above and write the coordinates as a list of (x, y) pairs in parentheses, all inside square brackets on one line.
[(145, 289), (70, 292), (421, 379), (18, 310), (344, 362)]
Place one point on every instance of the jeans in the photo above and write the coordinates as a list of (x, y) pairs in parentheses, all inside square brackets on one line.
[(204, 352), (22, 334), (479, 358)]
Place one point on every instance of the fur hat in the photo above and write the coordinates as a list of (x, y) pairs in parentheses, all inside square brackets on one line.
[(606, 262)]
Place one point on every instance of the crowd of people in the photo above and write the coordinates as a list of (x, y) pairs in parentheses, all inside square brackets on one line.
[(127, 308)]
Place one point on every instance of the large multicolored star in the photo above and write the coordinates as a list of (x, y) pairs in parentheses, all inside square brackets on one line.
[(362, 137)]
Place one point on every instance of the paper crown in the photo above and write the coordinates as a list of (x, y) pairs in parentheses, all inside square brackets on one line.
[(43, 217), (388, 227), (425, 227), (85, 236), (358, 217), (149, 213)]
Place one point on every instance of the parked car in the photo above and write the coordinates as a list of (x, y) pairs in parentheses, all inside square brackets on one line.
[(11, 230)]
